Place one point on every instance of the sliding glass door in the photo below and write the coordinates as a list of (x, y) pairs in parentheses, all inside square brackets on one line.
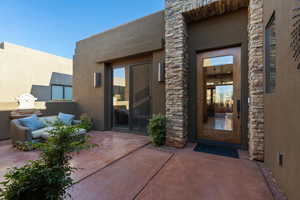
[(140, 97), (131, 97)]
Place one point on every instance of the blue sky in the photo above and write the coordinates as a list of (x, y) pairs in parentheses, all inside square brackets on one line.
[(54, 26)]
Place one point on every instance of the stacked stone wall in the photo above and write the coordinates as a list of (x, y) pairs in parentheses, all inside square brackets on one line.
[(256, 80), (177, 69)]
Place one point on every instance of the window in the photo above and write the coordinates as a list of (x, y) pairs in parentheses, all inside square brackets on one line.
[(270, 56), (61, 92), (68, 93)]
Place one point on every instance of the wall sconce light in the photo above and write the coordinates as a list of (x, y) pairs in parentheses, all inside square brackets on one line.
[(161, 72), (97, 80)]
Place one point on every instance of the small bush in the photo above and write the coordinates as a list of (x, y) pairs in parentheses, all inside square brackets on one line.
[(86, 122), (157, 130), (26, 146), (36, 181), (49, 177)]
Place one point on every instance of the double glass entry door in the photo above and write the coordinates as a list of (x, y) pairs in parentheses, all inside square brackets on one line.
[(131, 97), (219, 95)]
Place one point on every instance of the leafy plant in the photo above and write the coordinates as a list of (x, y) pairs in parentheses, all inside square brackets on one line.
[(157, 130), (49, 177), (85, 122), (26, 146)]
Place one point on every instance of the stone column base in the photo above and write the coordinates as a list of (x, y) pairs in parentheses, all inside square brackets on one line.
[(173, 142)]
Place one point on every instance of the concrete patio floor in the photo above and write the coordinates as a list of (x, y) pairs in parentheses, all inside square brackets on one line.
[(125, 167)]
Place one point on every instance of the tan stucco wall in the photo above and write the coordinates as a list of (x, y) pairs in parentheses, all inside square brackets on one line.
[(127, 44), (90, 100), (282, 108), (23, 70), (140, 36), (158, 98)]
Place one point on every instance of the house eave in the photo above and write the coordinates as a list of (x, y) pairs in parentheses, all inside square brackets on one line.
[(201, 10)]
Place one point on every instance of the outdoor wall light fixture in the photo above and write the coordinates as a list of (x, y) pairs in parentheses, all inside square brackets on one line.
[(97, 79), (161, 72)]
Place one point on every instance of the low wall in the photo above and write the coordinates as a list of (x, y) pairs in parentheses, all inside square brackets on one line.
[(4, 124), (53, 108), (47, 108)]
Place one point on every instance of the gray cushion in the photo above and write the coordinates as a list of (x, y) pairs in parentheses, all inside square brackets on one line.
[(76, 122), (67, 119), (41, 133), (80, 131), (49, 120)]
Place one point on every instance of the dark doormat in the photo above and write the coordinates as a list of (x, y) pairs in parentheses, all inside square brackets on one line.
[(217, 149)]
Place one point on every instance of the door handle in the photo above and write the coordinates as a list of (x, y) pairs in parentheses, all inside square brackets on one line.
[(238, 108)]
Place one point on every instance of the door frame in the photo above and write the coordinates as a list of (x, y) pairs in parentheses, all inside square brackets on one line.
[(236, 134)]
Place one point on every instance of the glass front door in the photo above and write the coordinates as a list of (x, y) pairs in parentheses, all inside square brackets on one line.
[(131, 97), (219, 95)]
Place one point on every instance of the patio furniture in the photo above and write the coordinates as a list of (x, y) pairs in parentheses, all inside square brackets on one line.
[(19, 132)]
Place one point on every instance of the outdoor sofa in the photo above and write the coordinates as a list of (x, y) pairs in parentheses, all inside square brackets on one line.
[(19, 132)]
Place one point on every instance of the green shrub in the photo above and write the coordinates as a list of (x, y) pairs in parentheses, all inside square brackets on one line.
[(49, 177), (157, 130), (26, 146), (85, 122)]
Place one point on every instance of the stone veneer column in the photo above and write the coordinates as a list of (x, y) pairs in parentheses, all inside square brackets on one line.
[(256, 80), (176, 74)]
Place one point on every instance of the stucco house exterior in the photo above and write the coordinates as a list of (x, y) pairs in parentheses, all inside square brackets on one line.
[(24, 70), (222, 70)]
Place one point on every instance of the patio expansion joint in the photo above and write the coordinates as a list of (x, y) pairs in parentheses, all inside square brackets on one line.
[(154, 175), (111, 163)]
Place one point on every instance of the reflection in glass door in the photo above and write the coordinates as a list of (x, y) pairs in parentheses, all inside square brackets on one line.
[(131, 97), (219, 95), (120, 98), (218, 78)]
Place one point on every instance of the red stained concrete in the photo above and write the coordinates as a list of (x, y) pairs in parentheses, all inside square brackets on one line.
[(192, 175), (11, 157), (112, 146), (122, 167), (123, 179)]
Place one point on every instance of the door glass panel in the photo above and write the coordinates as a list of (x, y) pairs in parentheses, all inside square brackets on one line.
[(218, 83), (140, 97), (120, 97)]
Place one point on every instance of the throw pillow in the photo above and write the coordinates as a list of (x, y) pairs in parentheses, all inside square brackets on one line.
[(32, 122), (67, 119)]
